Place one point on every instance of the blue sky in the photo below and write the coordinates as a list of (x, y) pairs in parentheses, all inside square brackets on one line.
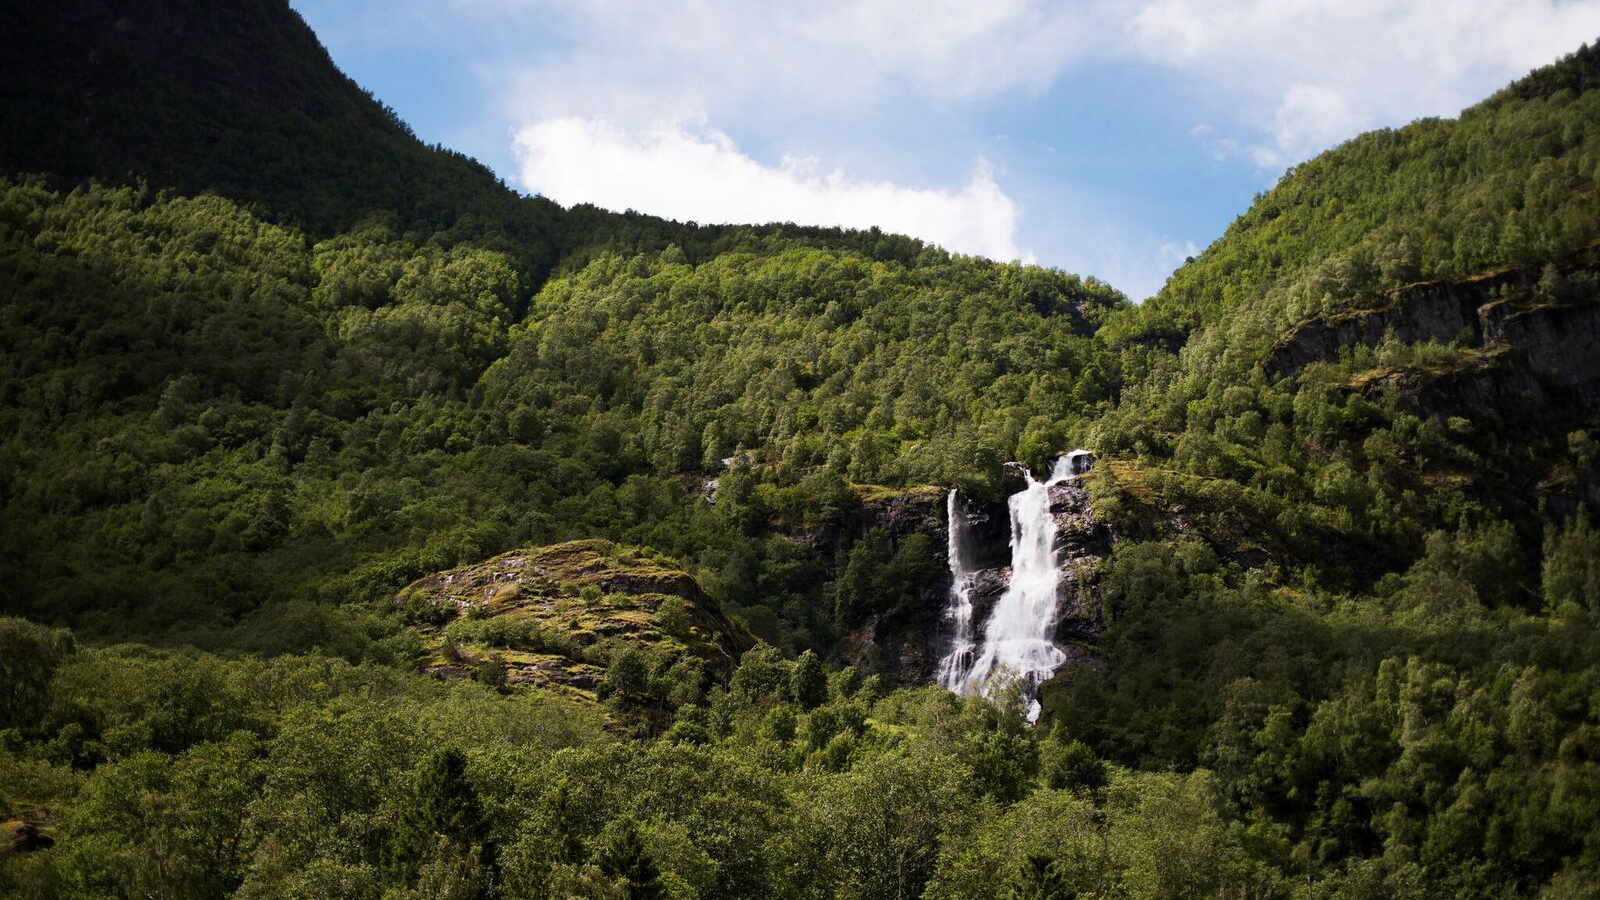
[(1106, 137)]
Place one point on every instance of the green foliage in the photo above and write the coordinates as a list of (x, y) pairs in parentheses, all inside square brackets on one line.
[(880, 371), (276, 421), (29, 656), (1349, 650), (1508, 183), (1335, 598), (628, 675), (1071, 766), (808, 683), (1572, 565), (673, 614), (443, 806), (1037, 878), (879, 578), (622, 856)]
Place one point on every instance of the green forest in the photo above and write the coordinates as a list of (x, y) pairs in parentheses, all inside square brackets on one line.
[(267, 406)]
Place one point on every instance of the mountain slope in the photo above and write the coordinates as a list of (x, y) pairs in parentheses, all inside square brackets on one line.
[(301, 356), (269, 428), (240, 99), (1360, 342), (1356, 509), (236, 98), (1509, 182)]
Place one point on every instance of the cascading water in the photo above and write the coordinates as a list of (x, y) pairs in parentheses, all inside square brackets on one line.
[(953, 668), (1017, 638)]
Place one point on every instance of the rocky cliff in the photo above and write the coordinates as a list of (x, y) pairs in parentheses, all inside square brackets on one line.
[(908, 647), (1082, 543), (1533, 338), (1520, 354), (902, 645)]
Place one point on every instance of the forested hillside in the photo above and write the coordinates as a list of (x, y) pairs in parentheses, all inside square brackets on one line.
[(1367, 573), (208, 412), (370, 531), (1510, 182)]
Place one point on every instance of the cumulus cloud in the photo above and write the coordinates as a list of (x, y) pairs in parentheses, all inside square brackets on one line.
[(692, 172), (717, 57), (1278, 81), (1304, 74)]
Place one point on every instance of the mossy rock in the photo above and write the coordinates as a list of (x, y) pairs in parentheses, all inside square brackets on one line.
[(553, 614)]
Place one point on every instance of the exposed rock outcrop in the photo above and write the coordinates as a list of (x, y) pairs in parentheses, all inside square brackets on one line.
[(902, 514), (987, 525), (548, 614), (987, 586), (908, 647), (1013, 478), (1082, 544), (903, 649), (1560, 345), (1439, 312), (1532, 354)]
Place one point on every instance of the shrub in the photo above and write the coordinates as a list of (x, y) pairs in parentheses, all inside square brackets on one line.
[(673, 617)]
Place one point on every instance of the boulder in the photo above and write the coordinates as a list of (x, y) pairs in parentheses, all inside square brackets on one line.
[(987, 587), (1013, 478)]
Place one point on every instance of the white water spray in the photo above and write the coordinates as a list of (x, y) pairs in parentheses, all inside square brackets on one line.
[(1017, 640), (953, 668)]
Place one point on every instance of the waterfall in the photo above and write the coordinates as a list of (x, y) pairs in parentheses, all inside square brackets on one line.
[(1017, 639), (953, 668)]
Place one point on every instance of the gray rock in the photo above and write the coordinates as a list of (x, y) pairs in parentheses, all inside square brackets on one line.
[(988, 585), (1013, 478)]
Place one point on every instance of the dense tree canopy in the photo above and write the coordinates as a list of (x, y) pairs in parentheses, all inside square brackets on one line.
[(263, 364)]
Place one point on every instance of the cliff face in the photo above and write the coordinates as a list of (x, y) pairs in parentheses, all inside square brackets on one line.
[(1532, 352), (1438, 312), (904, 645), (908, 647), (1082, 544), (1523, 358), (1559, 344)]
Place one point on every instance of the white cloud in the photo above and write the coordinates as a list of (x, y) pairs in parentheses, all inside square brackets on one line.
[(1308, 116), (1306, 74), (716, 57), (1172, 254), (856, 80), (1379, 60), (689, 171), (594, 109)]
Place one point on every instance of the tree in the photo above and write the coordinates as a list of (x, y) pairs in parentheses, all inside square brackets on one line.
[(808, 683), (673, 616), (29, 655), (442, 820), (623, 856), (874, 831), (1072, 766), (1572, 565), (1037, 878), (628, 675)]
